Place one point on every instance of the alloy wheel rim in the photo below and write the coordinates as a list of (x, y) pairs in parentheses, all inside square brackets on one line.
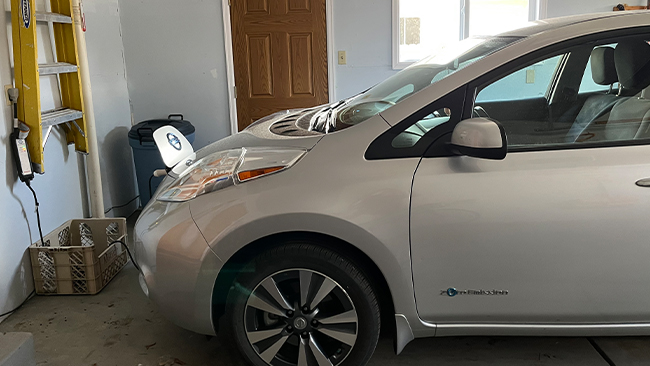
[(300, 317)]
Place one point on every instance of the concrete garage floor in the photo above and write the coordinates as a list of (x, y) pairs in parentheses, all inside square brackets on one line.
[(121, 327)]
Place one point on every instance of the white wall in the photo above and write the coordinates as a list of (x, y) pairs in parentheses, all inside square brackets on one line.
[(108, 76), (176, 63), (59, 189), (362, 28), (161, 38)]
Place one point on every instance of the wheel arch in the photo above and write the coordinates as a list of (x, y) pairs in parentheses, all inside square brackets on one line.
[(237, 261)]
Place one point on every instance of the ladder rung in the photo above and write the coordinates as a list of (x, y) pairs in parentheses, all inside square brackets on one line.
[(53, 17), (59, 116), (56, 68)]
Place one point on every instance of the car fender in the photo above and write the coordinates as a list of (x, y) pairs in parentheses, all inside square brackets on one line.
[(364, 203)]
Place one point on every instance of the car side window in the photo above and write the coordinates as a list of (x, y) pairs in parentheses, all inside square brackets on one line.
[(520, 102), (573, 97), (528, 83)]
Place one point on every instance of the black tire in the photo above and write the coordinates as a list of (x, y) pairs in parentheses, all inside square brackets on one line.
[(301, 257)]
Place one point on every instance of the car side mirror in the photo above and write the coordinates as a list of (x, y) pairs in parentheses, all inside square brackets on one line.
[(480, 138)]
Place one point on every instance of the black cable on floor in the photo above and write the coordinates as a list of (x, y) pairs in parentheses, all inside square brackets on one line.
[(129, 252), (601, 352), (19, 306), (38, 215)]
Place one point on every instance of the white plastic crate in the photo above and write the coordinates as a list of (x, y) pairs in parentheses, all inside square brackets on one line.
[(78, 257)]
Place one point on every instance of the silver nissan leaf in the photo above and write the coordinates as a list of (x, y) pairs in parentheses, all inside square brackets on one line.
[(498, 187)]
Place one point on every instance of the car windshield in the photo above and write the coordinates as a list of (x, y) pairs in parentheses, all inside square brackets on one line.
[(405, 83)]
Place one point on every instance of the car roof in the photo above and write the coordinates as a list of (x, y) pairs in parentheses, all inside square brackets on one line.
[(542, 26)]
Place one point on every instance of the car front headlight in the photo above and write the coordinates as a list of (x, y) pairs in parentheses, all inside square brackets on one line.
[(226, 168)]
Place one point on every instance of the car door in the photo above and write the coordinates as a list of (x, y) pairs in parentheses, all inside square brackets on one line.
[(557, 233)]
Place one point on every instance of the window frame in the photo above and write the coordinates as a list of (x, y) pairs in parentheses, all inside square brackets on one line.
[(382, 147), (474, 86), (436, 142), (536, 11)]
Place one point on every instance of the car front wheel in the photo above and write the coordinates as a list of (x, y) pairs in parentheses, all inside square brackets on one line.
[(303, 305)]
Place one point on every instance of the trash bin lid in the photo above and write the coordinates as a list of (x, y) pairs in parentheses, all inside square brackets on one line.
[(143, 131)]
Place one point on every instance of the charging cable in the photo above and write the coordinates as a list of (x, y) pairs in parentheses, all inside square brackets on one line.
[(129, 252), (31, 294), (19, 147), (38, 215)]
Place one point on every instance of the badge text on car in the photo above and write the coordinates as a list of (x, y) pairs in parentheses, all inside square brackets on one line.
[(451, 292)]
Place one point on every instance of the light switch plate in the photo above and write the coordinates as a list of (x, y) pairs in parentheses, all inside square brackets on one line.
[(530, 76), (343, 58)]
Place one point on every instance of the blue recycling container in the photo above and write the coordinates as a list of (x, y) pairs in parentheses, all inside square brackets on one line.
[(146, 155)]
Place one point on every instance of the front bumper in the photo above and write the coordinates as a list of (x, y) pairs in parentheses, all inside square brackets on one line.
[(178, 267)]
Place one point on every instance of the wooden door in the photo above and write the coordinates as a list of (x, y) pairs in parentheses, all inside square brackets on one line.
[(280, 55)]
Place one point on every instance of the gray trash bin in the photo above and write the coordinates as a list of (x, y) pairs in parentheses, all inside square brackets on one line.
[(146, 155)]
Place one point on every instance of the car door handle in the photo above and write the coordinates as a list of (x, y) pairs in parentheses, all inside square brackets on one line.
[(645, 183)]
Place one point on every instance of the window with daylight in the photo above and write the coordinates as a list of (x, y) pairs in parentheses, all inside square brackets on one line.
[(422, 27)]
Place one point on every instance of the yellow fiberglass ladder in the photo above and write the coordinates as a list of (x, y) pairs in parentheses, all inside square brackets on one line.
[(28, 72)]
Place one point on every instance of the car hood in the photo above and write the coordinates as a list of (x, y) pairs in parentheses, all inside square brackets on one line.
[(279, 129)]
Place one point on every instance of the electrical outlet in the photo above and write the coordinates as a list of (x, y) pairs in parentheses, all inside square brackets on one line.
[(7, 87), (343, 58)]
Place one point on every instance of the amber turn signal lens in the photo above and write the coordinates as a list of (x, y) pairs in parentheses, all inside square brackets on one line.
[(244, 176)]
